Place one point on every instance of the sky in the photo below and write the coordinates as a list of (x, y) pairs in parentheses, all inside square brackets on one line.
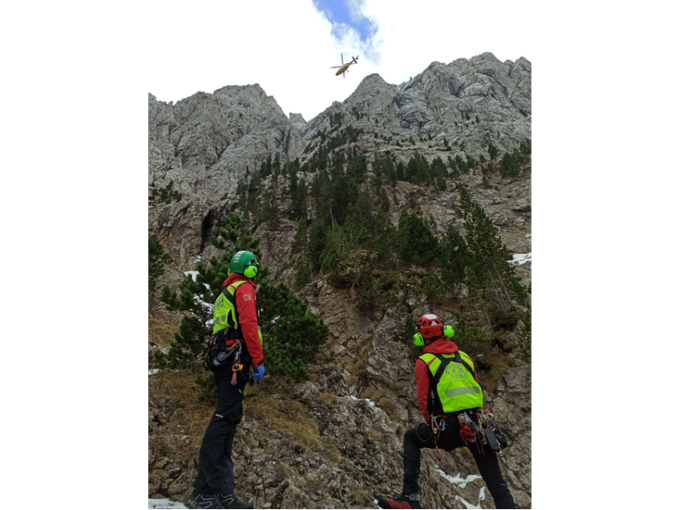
[(74, 216), (289, 47)]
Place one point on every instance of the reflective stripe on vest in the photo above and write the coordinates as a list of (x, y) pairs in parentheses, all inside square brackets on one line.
[(224, 311), (457, 388)]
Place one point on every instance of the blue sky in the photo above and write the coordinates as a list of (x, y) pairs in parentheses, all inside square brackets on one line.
[(289, 47), (347, 14)]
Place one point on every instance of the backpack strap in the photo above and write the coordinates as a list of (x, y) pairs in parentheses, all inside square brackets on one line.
[(442, 366), (445, 362), (465, 364)]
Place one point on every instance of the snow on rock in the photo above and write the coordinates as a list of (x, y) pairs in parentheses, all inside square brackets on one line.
[(371, 403), (164, 503), (462, 482), (520, 258), (194, 275), (457, 479), (470, 505)]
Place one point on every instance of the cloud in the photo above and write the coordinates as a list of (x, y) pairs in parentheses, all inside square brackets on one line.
[(289, 47)]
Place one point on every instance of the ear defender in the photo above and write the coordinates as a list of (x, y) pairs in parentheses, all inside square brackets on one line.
[(250, 271), (448, 331), (418, 340)]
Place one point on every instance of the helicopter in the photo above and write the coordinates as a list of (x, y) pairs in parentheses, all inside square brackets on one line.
[(344, 68)]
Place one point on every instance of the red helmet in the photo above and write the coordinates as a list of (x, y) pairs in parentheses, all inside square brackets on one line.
[(430, 326)]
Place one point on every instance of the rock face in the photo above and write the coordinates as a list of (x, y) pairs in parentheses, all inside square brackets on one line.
[(469, 103), (335, 441), (207, 143)]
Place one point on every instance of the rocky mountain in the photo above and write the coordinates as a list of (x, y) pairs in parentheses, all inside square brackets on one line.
[(335, 441), (207, 143)]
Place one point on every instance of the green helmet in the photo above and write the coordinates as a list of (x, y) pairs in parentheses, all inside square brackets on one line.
[(245, 263)]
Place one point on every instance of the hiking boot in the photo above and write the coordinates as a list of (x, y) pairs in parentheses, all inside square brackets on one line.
[(231, 501), (400, 501), (198, 500)]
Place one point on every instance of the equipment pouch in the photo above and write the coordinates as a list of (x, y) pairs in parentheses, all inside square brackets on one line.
[(491, 440), (221, 349), (502, 440)]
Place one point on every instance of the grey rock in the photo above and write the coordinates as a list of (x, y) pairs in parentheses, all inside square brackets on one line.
[(208, 143)]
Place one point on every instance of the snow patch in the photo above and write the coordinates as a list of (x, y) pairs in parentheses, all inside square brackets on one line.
[(480, 498), (371, 403), (204, 304), (520, 258), (164, 503), (154, 371), (193, 274), (458, 480)]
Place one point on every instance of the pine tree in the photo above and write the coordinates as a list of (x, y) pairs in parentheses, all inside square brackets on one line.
[(383, 240), (509, 165), (303, 274), (157, 260), (318, 235), (292, 334), (368, 290), (490, 278), (493, 151), (452, 256), (384, 200), (299, 201), (266, 166), (524, 335), (270, 211), (415, 242), (359, 223), (321, 191), (299, 244)]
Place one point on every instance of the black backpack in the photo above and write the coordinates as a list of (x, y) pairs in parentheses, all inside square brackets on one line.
[(225, 346)]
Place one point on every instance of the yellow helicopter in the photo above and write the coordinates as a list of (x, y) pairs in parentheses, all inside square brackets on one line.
[(344, 68)]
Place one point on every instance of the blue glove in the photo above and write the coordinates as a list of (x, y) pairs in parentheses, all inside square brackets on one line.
[(259, 373)]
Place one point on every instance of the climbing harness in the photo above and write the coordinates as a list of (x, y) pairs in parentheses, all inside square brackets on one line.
[(437, 424), (470, 431), (497, 433), (484, 432), (237, 366)]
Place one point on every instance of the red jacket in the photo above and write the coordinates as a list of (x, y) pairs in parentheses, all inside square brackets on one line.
[(441, 346), (247, 316)]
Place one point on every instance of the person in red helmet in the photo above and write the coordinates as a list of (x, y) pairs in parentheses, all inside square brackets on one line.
[(452, 404)]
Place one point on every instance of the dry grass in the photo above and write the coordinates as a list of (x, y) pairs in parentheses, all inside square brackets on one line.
[(498, 364), (327, 397), (376, 437), (190, 416), (161, 330), (357, 367), (291, 419), (387, 405)]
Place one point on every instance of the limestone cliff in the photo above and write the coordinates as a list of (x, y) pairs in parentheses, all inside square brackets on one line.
[(335, 441)]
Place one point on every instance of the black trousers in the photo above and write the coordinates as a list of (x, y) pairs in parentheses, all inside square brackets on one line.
[(449, 439), (215, 467)]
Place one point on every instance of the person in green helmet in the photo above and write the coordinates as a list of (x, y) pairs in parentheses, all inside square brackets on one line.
[(236, 345), (451, 402)]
